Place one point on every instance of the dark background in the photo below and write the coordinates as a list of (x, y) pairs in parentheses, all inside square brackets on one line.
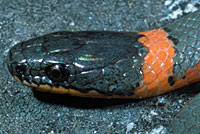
[(25, 111)]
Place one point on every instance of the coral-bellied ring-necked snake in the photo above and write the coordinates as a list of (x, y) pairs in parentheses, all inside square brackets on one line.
[(105, 64)]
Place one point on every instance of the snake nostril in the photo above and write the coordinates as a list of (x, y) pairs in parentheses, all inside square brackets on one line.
[(20, 69)]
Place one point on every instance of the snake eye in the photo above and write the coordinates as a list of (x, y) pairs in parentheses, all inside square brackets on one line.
[(57, 72)]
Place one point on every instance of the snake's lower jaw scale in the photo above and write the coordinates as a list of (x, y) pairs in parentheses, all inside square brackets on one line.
[(16, 78)]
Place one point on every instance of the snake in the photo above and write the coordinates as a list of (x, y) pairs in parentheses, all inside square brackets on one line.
[(110, 64)]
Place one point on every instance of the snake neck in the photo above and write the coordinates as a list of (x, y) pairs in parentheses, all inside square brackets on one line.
[(185, 34)]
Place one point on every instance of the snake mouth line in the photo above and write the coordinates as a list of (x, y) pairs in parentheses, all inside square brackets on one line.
[(70, 91), (43, 87)]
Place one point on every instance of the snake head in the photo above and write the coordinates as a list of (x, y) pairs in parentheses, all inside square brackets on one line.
[(91, 64)]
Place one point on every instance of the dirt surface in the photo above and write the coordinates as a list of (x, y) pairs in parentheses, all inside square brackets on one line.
[(25, 111)]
